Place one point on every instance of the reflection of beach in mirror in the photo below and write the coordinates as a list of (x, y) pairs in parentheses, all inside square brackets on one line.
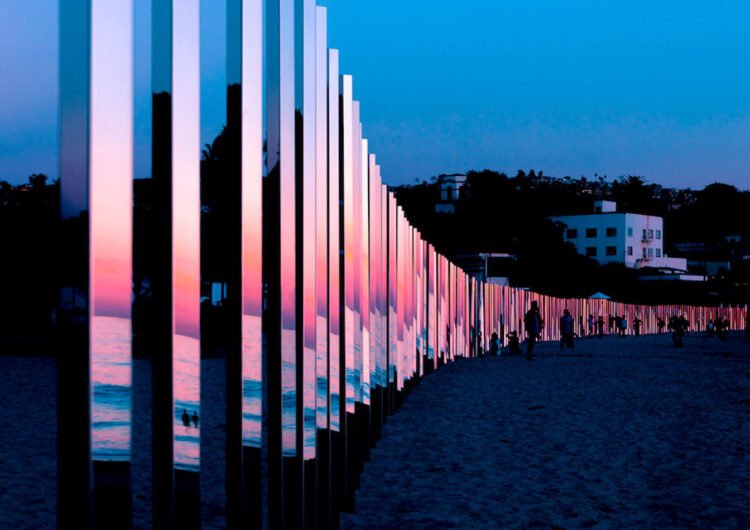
[(289, 413), (288, 396), (187, 403), (309, 416), (111, 377), (252, 381)]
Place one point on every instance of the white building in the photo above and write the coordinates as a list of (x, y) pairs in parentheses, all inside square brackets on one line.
[(450, 192), (609, 236)]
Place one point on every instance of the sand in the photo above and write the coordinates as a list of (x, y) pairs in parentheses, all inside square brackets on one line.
[(623, 433), (28, 453)]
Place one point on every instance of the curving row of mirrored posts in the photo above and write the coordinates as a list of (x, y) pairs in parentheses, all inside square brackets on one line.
[(335, 306)]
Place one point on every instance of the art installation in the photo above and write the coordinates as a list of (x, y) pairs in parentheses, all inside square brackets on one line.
[(337, 305)]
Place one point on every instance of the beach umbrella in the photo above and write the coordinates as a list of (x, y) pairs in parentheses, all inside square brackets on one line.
[(600, 296)]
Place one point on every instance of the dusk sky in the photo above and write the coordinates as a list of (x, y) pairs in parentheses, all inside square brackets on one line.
[(658, 88)]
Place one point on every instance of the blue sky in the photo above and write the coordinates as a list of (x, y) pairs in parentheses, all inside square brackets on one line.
[(659, 88)]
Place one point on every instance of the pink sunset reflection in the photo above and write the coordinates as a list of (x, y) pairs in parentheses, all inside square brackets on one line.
[(186, 399), (111, 379)]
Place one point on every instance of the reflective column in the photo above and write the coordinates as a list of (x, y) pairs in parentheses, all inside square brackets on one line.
[(347, 368), (244, 357), (94, 312), (306, 257), (280, 445), (336, 407), (323, 470), (374, 201), (356, 422), (176, 181), (392, 267), (363, 214)]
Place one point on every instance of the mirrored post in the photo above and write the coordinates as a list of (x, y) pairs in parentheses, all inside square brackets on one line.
[(280, 263), (94, 312), (402, 300), (244, 363), (321, 271), (307, 262), (392, 265)]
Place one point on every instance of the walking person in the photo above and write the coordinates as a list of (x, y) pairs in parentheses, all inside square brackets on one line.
[(532, 321), (566, 331), (494, 344), (719, 328), (623, 326), (637, 326), (600, 327), (675, 325), (591, 324)]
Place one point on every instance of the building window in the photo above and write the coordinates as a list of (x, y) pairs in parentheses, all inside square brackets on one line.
[(591, 232), (645, 253), (630, 231), (572, 233), (611, 251), (658, 252), (630, 251), (658, 234), (611, 232), (651, 234), (591, 252), (651, 253)]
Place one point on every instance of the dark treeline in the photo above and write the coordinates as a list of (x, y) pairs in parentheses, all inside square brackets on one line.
[(498, 213), (29, 235)]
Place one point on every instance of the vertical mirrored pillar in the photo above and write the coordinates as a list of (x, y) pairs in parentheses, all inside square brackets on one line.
[(444, 329), (364, 412), (383, 194), (364, 285), (176, 182), (431, 309), (374, 202), (94, 313), (402, 300), (420, 305), (423, 302), (335, 291), (244, 361), (392, 302), (346, 178), (322, 239), (355, 432), (283, 498), (307, 245)]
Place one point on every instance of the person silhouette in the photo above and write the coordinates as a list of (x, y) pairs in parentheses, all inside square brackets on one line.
[(514, 343), (566, 331), (600, 327), (185, 418), (637, 326), (196, 419), (494, 344), (533, 324)]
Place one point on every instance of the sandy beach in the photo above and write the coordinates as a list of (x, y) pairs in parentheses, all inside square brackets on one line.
[(623, 433)]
